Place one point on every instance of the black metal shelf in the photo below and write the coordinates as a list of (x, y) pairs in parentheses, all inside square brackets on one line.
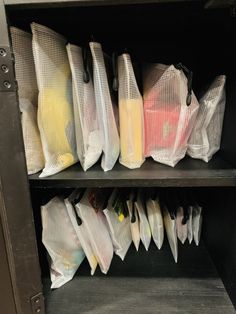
[(187, 173)]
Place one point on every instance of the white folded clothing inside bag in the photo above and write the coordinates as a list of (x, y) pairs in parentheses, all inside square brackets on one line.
[(61, 241)]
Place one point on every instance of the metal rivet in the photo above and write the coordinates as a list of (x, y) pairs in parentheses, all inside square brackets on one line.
[(2, 52), (4, 68), (36, 301), (38, 310), (7, 84)]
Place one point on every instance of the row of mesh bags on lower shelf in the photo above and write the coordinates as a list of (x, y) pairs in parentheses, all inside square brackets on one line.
[(94, 223), (77, 115)]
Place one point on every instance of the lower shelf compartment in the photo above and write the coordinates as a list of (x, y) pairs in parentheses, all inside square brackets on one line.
[(146, 282)]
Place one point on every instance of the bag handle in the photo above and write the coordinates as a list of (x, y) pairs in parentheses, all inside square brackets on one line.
[(86, 76), (115, 84), (189, 75), (133, 217)]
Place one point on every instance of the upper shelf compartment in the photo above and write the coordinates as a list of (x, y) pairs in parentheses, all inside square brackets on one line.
[(60, 3), (187, 173)]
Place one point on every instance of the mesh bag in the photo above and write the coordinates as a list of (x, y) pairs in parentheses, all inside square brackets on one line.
[(155, 221), (170, 109), (88, 137), (130, 115), (83, 236), (119, 228), (145, 231), (181, 225), (197, 223), (190, 224), (97, 228), (28, 94), (60, 239), (105, 112), (55, 113), (205, 138), (170, 227), (134, 221)]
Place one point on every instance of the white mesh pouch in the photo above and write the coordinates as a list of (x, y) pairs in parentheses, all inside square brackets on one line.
[(205, 138), (170, 227), (55, 112), (155, 221), (182, 228), (168, 117), (83, 236), (119, 229), (145, 231), (106, 118), (197, 223), (130, 115), (88, 137), (134, 222), (61, 241), (190, 224), (97, 227), (28, 98)]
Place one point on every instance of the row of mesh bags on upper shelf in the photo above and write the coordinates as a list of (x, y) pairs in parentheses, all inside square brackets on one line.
[(95, 223), (69, 108)]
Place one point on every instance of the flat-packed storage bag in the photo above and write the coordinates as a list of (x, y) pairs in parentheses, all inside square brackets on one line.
[(61, 241), (88, 136), (119, 226), (130, 115), (197, 223), (28, 98), (205, 138), (145, 231), (98, 231), (155, 221), (82, 233), (134, 219), (170, 110), (181, 225), (190, 224), (55, 111), (105, 111), (170, 227)]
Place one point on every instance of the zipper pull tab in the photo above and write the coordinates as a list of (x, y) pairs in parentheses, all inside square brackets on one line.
[(86, 76), (189, 75), (115, 84)]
